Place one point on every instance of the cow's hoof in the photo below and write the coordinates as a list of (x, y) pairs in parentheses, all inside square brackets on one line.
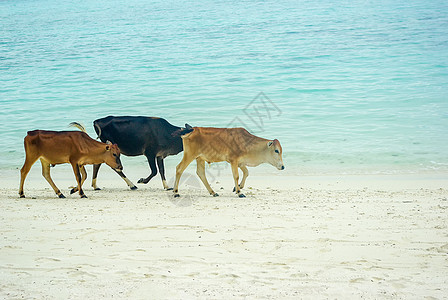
[(73, 190), (176, 195), (83, 196), (234, 189), (22, 196), (133, 187), (169, 189), (61, 196), (241, 195), (215, 195), (97, 189), (143, 180)]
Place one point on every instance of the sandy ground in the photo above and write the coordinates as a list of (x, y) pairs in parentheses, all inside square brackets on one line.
[(292, 237)]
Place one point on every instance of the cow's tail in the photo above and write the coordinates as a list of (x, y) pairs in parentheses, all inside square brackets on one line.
[(183, 131), (97, 129), (78, 125)]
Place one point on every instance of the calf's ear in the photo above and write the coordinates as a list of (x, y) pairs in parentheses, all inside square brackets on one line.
[(270, 143)]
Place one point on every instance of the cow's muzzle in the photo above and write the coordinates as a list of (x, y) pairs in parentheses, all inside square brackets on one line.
[(119, 168)]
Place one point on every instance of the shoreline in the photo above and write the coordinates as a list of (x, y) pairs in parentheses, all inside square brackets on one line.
[(64, 178), (345, 236), (139, 165)]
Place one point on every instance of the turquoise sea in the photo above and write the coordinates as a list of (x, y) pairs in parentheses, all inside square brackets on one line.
[(346, 86)]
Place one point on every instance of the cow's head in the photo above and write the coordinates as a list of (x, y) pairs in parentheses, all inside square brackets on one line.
[(275, 154), (112, 157)]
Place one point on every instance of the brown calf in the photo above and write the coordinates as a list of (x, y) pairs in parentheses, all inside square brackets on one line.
[(234, 145), (59, 147)]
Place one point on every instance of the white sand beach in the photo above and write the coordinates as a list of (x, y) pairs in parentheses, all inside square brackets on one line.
[(309, 237)]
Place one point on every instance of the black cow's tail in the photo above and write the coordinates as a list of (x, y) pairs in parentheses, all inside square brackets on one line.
[(78, 125), (183, 131), (97, 129)]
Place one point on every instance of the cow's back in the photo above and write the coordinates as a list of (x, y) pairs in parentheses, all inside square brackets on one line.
[(135, 135), (56, 146), (218, 144)]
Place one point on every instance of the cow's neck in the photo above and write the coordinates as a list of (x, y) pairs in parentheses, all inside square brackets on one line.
[(257, 152), (96, 153)]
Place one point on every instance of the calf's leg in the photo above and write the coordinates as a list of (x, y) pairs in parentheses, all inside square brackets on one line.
[(200, 170), (78, 177), (29, 162), (234, 167), (46, 174), (82, 169), (245, 175), (186, 160)]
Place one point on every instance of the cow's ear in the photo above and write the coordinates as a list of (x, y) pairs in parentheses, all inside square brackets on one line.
[(107, 148), (270, 143)]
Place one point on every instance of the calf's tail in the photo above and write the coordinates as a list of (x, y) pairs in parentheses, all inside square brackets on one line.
[(78, 125)]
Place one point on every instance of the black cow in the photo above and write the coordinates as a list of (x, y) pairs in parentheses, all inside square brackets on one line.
[(153, 137)]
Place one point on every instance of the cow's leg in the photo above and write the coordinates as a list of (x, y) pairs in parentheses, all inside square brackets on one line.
[(200, 170), (234, 167), (29, 162), (82, 169), (186, 160), (152, 164), (128, 182), (245, 175), (78, 177), (46, 174), (161, 167), (96, 168)]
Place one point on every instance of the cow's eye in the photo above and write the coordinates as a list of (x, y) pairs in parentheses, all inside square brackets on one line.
[(115, 155), (276, 151)]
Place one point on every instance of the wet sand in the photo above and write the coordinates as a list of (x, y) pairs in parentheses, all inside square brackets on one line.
[(305, 236)]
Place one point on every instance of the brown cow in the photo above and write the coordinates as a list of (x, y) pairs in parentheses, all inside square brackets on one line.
[(234, 145), (59, 147)]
